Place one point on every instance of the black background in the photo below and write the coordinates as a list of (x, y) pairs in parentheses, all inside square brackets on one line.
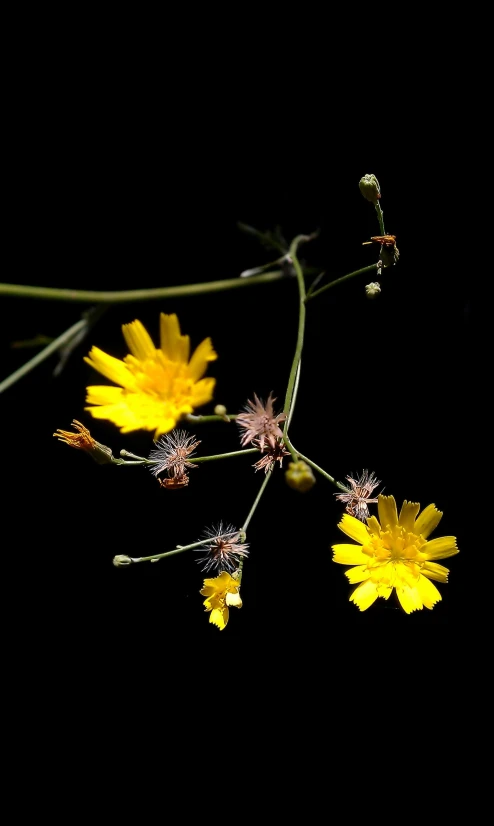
[(111, 193)]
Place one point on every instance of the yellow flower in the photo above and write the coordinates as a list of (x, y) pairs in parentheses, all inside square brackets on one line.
[(221, 592), (156, 386), (395, 554)]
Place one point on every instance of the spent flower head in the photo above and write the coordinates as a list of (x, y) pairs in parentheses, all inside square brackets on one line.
[(172, 452), (82, 440), (272, 454), (223, 549), (358, 498), (259, 422)]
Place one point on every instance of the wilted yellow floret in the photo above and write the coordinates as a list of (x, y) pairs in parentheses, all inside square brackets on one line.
[(221, 592), (157, 386)]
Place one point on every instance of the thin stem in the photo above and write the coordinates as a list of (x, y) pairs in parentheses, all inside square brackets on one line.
[(341, 280), (292, 380), (244, 527), (190, 417), (55, 345), (315, 467), (126, 296), (380, 217), (141, 460), (168, 553)]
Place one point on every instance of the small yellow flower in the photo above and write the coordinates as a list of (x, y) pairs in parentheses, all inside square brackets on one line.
[(395, 553), (157, 386), (221, 592)]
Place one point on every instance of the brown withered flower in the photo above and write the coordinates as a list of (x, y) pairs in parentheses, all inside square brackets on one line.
[(271, 455), (82, 440), (223, 549), (358, 498), (259, 423), (172, 453)]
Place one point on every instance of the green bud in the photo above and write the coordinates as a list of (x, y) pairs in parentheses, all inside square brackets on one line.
[(369, 187), (121, 561), (299, 476)]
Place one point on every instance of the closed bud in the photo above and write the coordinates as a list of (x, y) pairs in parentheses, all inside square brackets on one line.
[(373, 289), (299, 476), (369, 187)]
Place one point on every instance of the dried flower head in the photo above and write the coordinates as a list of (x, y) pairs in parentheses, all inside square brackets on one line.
[(223, 549), (82, 440), (273, 454), (358, 498), (172, 453), (259, 422)]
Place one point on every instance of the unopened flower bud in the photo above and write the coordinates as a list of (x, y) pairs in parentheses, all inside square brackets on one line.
[(121, 561), (369, 187), (220, 410), (299, 476), (373, 289)]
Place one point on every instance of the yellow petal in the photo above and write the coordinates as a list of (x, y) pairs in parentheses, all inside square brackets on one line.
[(358, 574), (199, 361), (440, 548), (175, 346), (219, 617), (373, 525), (349, 555), (202, 392), (433, 570), (138, 340), (427, 521), (354, 528), (388, 515), (410, 598), (114, 369), (409, 511), (428, 592), (364, 595), (104, 394)]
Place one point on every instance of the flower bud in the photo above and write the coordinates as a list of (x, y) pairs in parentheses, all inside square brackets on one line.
[(299, 476), (373, 289), (121, 561), (369, 187)]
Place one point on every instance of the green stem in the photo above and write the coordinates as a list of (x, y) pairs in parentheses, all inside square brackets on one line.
[(55, 345), (126, 296), (380, 217), (168, 553), (341, 280), (190, 417), (244, 527), (141, 460), (291, 390), (314, 466)]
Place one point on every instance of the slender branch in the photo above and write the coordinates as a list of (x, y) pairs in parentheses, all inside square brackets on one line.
[(141, 460), (380, 217), (190, 417), (314, 466), (179, 550), (55, 345), (291, 390), (126, 296), (341, 280), (243, 529)]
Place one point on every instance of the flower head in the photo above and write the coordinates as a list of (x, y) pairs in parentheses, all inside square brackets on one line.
[(171, 454), (260, 423), (223, 549), (157, 386), (273, 454), (358, 498), (221, 592), (82, 440), (395, 553)]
